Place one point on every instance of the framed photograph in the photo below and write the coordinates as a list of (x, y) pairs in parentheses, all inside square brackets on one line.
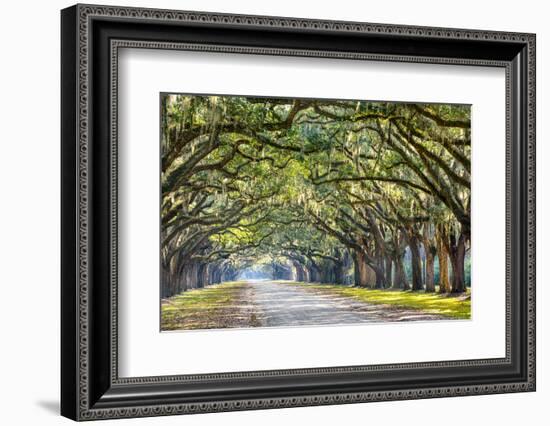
[(263, 212)]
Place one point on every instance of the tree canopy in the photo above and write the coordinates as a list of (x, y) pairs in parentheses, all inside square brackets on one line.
[(335, 191)]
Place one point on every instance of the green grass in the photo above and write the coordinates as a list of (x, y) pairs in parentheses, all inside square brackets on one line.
[(201, 308), (453, 306)]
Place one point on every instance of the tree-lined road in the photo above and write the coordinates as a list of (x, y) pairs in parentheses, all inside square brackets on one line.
[(315, 190), (280, 304)]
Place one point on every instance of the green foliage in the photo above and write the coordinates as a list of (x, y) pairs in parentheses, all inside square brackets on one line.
[(312, 182)]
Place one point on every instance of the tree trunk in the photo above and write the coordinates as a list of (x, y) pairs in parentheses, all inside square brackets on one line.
[(215, 274), (281, 272), (415, 262), (227, 273), (442, 256), (360, 271), (363, 272), (400, 278), (430, 271), (301, 274), (200, 276), (429, 251), (380, 272), (168, 278), (389, 267), (458, 252), (314, 274), (325, 272), (338, 273), (191, 275)]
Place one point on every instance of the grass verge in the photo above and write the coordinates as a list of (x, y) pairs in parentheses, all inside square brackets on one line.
[(452, 306), (217, 306)]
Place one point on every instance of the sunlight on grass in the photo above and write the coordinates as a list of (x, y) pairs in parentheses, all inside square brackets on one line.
[(453, 306), (200, 308)]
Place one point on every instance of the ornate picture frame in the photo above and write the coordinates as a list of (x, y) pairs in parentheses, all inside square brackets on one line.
[(91, 37)]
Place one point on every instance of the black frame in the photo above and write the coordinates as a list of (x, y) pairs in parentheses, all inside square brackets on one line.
[(90, 38)]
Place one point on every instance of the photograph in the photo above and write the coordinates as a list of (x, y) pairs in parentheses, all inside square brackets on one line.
[(284, 212)]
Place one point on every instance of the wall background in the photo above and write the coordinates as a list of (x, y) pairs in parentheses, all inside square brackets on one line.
[(29, 225)]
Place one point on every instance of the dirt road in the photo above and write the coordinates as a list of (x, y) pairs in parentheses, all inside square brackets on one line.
[(283, 304)]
